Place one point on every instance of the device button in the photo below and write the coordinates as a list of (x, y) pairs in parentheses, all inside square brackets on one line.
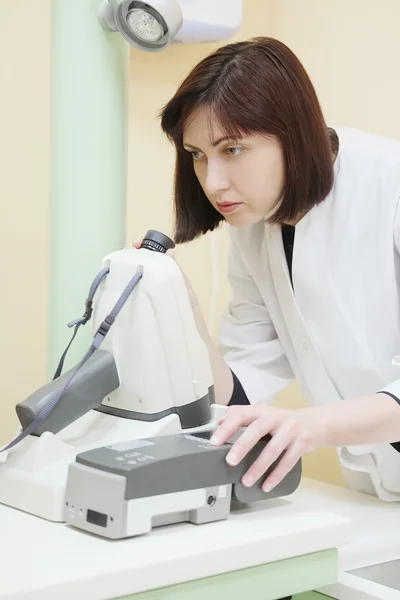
[(306, 345)]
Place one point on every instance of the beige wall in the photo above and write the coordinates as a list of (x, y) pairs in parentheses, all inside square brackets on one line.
[(350, 49), (24, 157)]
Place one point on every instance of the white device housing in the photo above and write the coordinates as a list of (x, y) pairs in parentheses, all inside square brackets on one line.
[(161, 359), (162, 363), (33, 474), (208, 20)]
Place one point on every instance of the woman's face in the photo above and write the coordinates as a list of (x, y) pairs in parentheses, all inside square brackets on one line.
[(242, 178)]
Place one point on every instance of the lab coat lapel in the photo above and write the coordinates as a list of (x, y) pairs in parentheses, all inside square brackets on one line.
[(313, 377)]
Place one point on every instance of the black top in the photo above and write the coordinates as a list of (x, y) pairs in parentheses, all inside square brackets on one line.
[(288, 232), (239, 395)]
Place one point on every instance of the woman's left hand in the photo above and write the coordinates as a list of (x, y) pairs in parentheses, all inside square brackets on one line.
[(294, 432)]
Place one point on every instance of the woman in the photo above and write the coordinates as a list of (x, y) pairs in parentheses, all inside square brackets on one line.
[(314, 262)]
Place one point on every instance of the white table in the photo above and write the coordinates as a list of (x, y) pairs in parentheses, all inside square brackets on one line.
[(250, 553), (376, 537)]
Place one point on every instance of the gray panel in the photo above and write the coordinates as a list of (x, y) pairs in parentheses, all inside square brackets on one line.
[(94, 380), (95, 500), (387, 574), (216, 508), (195, 414), (171, 463), (287, 486), (95, 503)]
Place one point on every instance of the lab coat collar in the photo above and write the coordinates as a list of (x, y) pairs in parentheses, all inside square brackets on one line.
[(309, 360)]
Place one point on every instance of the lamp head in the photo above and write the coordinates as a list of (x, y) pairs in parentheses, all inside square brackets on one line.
[(152, 25)]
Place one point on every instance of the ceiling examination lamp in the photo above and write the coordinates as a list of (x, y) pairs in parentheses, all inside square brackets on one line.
[(151, 26)]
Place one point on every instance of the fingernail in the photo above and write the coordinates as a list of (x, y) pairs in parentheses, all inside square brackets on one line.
[(215, 439), (247, 481), (267, 487), (232, 458)]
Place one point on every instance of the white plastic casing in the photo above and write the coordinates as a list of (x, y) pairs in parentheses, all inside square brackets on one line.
[(208, 20), (161, 359)]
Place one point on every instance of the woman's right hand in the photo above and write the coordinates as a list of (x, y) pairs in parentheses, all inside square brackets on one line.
[(192, 296)]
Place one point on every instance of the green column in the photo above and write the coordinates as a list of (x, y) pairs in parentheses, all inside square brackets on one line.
[(89, 108)]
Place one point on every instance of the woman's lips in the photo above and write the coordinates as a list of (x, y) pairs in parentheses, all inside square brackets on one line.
[(228, 207)]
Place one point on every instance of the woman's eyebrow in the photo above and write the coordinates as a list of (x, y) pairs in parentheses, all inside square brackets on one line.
[(215, 143)]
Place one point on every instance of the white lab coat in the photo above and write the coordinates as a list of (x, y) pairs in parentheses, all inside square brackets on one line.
[(339, 331)]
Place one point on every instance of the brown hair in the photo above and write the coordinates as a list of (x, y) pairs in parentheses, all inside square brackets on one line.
[(255, 86)]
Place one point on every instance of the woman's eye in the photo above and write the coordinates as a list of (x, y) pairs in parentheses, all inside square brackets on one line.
[(195, 154), (233, 150)]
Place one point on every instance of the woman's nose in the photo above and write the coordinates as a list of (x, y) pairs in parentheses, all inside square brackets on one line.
[(216, 179)]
